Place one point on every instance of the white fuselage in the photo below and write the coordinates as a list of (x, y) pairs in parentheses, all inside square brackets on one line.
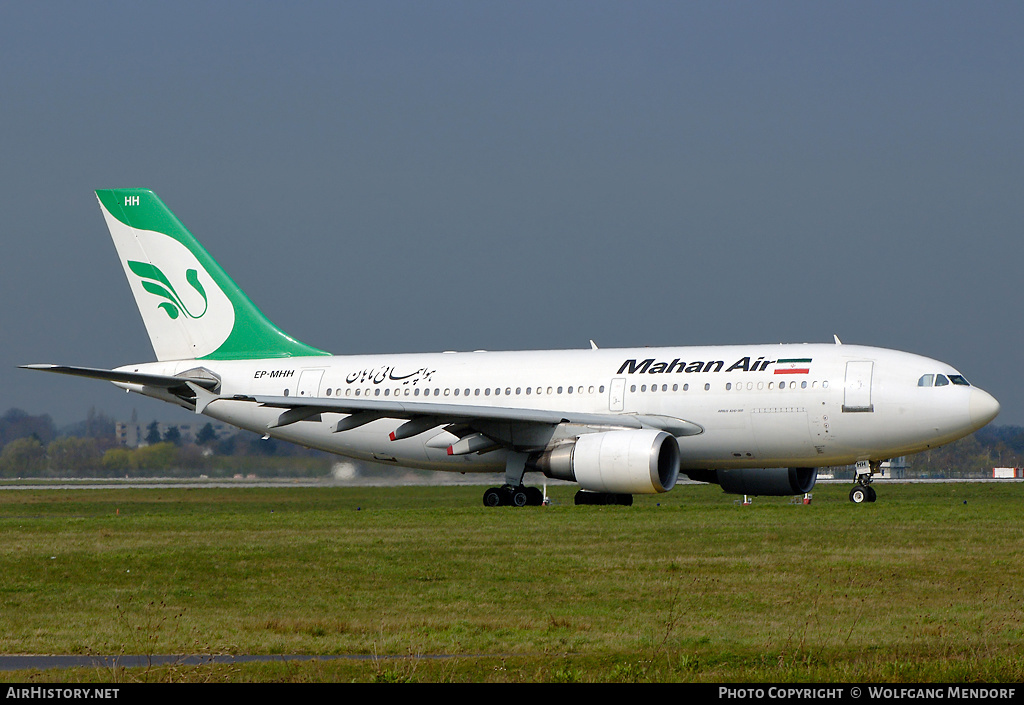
[(808, 405)]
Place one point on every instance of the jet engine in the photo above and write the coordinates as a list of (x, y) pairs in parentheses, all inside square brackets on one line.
[(622, 462), (765, 482)]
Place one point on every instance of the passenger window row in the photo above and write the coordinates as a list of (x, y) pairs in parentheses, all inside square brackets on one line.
[(591, 389), (486, 391), (729, 386)]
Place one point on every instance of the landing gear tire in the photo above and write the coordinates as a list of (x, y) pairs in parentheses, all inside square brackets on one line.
[(534, 497), (862, 493), (506, 496), (583, 497)]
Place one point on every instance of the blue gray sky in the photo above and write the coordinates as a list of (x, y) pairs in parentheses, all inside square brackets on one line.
[(422, 176)]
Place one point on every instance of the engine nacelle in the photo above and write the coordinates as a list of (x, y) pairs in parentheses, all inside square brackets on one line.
[(765, 482), (621, 462)]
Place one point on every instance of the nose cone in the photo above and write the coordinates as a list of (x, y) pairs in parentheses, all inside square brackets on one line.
[(983, 407)]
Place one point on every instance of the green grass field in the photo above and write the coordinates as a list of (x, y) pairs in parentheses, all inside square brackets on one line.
[(923, 586)]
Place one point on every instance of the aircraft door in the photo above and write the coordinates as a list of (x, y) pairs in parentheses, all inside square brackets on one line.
[(309, 383), (617, 394), (857, 393)]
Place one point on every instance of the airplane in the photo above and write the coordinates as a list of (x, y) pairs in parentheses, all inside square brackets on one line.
[(755, 419)]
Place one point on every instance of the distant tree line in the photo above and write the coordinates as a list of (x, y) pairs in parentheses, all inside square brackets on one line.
[(32, 446), (973, 456)]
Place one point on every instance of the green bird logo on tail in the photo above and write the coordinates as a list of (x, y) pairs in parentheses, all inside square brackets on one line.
[(154, 281)]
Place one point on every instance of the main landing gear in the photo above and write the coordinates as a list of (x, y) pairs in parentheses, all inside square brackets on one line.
[(513, 493), (508, 496), (863, 491)]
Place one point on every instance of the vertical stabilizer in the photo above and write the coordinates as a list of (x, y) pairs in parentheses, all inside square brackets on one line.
[(191, 307)]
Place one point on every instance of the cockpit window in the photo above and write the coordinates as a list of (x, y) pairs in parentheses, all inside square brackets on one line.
[(942, 380)]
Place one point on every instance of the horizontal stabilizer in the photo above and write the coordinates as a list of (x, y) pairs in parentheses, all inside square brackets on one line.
[(124, 377)]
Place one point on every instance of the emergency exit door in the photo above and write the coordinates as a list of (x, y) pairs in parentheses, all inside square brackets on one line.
[(309, 383), (617, 394)]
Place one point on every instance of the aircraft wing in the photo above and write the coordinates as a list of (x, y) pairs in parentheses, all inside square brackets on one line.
[(426, 415)]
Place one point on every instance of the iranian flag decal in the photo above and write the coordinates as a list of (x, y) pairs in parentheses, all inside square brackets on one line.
[(793, 366)]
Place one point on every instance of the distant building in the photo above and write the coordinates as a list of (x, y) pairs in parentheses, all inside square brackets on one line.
[(132, 434), (895, 468), (1008, 473), (128, 434)]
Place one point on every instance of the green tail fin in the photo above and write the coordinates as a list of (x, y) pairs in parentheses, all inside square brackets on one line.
[(191, 307)]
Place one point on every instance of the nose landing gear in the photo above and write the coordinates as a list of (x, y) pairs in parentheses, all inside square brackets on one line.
[(863, 491)]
